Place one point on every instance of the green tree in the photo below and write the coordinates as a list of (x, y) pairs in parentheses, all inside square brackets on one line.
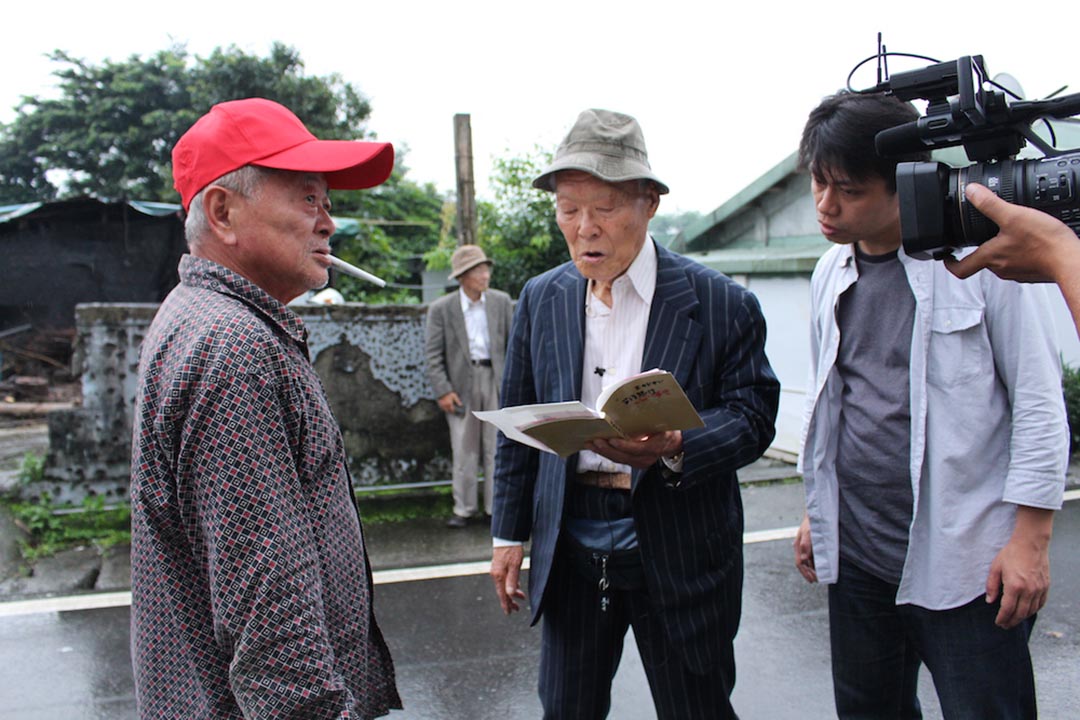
[(110, 133), (396, 223), (516, 229)]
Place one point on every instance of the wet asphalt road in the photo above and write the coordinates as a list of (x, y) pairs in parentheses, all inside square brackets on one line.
[(457, 656)]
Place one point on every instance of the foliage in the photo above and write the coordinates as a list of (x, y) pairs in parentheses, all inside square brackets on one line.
[(517, 229), (32, 468), (1071, 387), (391, 506), (398, 222), (110, 133), (53, 529)]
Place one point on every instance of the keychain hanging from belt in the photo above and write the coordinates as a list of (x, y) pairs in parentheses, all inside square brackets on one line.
[(604, 584)]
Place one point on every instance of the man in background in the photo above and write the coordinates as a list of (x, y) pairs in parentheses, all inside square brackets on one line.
[(643, 532), (251, 589), (466, 351), (934, 447)]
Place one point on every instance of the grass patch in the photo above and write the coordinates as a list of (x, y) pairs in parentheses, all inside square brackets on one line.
[(397, 506), (51, 531), (32, 468), (52, 527)]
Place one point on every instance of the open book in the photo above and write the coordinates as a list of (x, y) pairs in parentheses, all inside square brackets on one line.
[(644, 404)]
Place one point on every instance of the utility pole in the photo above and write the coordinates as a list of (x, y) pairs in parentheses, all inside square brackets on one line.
[(466, 186)]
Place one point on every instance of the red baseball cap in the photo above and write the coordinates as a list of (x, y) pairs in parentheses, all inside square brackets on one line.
[(256, 131)]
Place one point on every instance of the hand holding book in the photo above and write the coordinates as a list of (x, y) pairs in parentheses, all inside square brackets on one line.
[(644, 404)]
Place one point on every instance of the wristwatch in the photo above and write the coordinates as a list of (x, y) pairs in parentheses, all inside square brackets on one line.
[(671, 470)]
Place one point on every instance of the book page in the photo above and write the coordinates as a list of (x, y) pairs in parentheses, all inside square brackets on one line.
[(511, 420), (568, 435)]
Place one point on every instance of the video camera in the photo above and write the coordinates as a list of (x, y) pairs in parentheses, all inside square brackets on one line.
[(962, 110)]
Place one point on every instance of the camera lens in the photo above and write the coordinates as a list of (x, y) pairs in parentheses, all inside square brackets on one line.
[(1047, 184), (976, 228)]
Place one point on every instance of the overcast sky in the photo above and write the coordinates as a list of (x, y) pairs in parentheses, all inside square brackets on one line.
[(721, 90)]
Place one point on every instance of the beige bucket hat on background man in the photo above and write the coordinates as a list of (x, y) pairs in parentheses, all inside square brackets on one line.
[(465, 258)]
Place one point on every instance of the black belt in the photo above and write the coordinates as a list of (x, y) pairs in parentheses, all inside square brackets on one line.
[(481, 363)]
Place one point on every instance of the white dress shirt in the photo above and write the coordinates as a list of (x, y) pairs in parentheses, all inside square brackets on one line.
[(476, 325), (615, 339)]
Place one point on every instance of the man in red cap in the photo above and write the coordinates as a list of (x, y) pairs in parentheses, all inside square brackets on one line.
[(251, 589)]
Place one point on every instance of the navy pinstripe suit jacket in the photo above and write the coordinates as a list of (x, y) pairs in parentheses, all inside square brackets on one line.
[(710, 334)]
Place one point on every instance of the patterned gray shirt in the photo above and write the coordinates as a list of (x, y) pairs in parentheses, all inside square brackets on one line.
[(251, 590)]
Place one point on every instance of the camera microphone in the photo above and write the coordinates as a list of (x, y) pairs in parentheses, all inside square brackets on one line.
[(900, 140)]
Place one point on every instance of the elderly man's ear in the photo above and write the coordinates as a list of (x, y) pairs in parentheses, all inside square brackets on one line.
[(219, 204)]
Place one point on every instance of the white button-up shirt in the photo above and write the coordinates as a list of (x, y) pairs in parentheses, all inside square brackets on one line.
[(615, 339), (476, 325), (988, 426)]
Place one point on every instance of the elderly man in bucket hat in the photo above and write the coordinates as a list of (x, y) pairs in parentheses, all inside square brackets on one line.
[(251, 589), (643, 532), (466, 350)]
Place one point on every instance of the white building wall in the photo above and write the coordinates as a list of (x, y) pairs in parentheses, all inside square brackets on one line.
[(785, 301)]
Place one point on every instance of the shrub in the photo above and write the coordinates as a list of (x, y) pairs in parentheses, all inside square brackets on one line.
[(32, 469), (1071, 386)]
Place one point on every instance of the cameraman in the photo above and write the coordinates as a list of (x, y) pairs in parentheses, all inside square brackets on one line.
[(1030, 246), (933, 450)]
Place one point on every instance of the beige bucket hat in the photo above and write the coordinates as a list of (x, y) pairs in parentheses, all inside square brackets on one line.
[(465, 258), (606, 144)]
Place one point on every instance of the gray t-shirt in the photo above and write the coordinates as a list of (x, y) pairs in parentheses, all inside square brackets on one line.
[(875, 316)]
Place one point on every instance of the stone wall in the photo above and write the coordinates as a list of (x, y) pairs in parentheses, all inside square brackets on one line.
[(370, 359)]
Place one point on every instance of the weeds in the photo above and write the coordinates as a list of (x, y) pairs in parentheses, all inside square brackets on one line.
[(32, 469), (52, 529)]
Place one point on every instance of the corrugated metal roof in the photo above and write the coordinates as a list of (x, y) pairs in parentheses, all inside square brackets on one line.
[(346, 227), (155, 209)]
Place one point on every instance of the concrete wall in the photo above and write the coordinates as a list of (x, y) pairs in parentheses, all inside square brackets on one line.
[(370, 359)]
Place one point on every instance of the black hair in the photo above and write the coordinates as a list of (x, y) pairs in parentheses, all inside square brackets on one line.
[(839, 137)]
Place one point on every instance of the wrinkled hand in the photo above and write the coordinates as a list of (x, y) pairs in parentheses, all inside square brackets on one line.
[(1030, 246), (449, 402), (1020, 574), (804, 551), (641, 453), (505, 573)]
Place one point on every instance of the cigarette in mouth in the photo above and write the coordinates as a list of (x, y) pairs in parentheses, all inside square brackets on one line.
[(356, 272)]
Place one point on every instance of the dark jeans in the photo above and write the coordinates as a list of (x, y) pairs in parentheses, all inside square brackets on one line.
[(980, 671)]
